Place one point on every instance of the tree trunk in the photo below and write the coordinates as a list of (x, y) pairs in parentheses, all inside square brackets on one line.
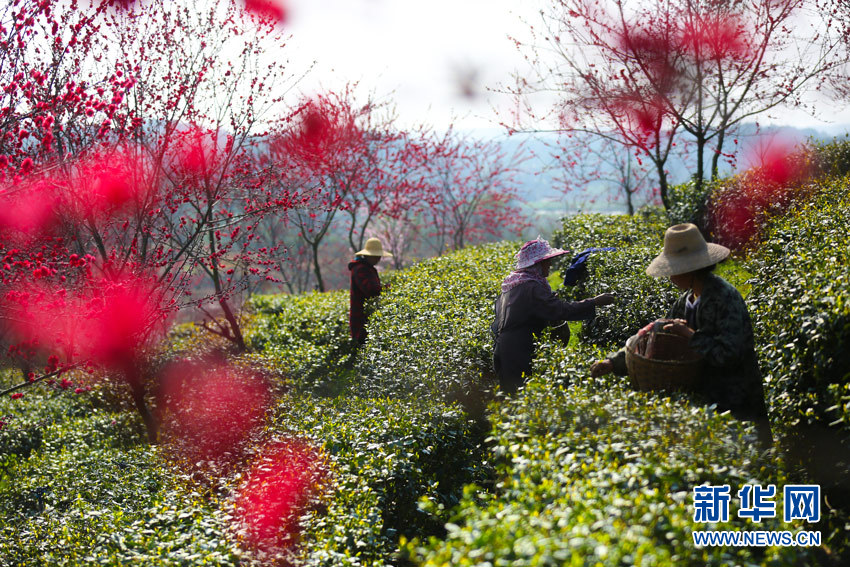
[(717, 153), (699, 177), (317, 269), (235, 334), (627, 186), (137, 392), (663, 187), (235, 330)]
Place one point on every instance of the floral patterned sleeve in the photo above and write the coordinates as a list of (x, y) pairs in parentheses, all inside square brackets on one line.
[(723, 329)]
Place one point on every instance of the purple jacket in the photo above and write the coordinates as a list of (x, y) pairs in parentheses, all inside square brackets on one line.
[(521, 313)]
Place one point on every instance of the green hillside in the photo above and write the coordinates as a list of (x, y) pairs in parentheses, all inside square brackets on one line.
[(423, 464)]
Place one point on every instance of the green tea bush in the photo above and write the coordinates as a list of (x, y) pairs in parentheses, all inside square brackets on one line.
[(801, 307), (576, 471), (26, 420), (833, 158), (386, 456), (432, 333), (92, 493), (644, 229), (304, 336), (640, 298), (598, 475), (688, 203), (19, 436)]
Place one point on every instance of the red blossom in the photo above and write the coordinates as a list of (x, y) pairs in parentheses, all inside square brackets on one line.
[(776, 176), (721, 39), (656, 51), (327, 127), (123, 317), (275, 492), (27, 166), (643, 116), (29, 212), (111, 187), (212, 408), (119, 4), (774, 159), (195, 152), (273, 10), (100, 187), (106, 322), (316, 128), (16, 396)]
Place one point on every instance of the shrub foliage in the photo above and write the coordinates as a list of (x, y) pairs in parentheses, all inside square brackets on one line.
[(590, 475), (431, 336), (640, 298), (570, 471)]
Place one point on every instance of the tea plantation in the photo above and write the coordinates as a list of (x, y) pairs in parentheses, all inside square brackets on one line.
[(424, 463)]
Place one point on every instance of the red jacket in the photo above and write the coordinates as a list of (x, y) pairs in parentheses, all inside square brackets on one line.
[(364, 283)]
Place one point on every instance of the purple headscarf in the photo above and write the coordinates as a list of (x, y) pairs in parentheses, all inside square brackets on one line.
[(532, 273)]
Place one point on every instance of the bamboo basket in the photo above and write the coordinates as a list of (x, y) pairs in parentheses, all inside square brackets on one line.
[(674, 367)]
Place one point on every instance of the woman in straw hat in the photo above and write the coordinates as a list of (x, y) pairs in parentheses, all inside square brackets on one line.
[(364, 284), (712, 315), (525, 306)]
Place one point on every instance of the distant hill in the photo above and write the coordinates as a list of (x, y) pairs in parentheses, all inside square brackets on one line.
[(538, 183)]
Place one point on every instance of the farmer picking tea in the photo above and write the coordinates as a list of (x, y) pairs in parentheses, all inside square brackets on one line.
[(527, 305), (364, 284), (712, 315)]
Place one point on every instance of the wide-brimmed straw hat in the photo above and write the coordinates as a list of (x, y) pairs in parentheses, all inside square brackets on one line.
[(685, 250), (374, 248), (535, 251)]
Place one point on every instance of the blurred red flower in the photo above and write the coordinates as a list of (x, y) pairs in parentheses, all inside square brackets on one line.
[(715, 39), (103, 184), (776, 177), (211, 408), (29, 212), (107, 321), (276, 490), (273, 10), (195, 152), (123, 317)]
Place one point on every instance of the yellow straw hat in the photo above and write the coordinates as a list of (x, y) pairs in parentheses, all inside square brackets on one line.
[(685, 250), (374, 248)]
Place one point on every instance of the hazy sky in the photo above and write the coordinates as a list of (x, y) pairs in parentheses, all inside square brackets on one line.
[(435, 59)]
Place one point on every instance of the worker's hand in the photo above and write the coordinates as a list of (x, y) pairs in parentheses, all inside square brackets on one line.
[(679, 327), (604, 299), (601, 368)]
